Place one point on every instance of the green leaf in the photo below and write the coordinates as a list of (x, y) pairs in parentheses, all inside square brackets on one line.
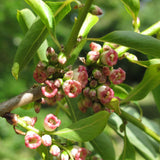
[(155, 93), (28, 47), (142, 43), (89, 22), (59, 9), (104, 146), (26, 18), (43, 11), (128, 150), (85, 129), (132, 6), (150, 81), (119, 91)]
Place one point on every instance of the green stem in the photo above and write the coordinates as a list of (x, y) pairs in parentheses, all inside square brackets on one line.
[(76, 28), (140, 125)]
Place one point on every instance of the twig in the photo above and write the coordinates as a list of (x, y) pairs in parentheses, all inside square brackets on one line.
[(22, 99)]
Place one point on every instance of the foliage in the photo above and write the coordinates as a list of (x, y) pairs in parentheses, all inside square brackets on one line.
[(86, 126)]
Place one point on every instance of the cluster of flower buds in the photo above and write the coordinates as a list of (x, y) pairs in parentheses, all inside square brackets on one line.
[(98, 93)]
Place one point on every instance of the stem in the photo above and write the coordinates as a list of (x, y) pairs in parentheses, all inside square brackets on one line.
[(76, 28), (140, 125)]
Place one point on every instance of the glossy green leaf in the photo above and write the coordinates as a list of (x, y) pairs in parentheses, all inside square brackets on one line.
[(26, 18), (104, 146), (59, 9), (150, 81), (43, 11), (156, 93), (142, 43), (128, 150), (85, 129), (89, 22), (132, 6), (119, 91), (29, 45)]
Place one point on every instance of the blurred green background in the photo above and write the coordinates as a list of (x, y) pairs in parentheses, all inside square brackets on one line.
[(115, 17)]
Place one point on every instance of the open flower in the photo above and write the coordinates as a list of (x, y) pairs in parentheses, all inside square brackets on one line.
[(117, 76), (109, 57), (81, 154), (50, 90), (51, 122), (105, 94), (32, 140), (72, 88)]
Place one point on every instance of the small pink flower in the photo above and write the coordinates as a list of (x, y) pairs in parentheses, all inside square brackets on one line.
[(87, 102), (117, 76), (81, 107), (62, 59), (50, 101), (93, 83), (68, 75), (55, 150), (102, 79), (51, 122), (51, 70), (105, 94), (93, 94), (58, 82), (81, 76), (81, 68), (50, 90), (92, 57), (95, 46), (46, 140), (86, 91), (32, 140), (50, 51), (109, 57), (96, 107), (72, 88), (59, 95), (81, 154), (74, 150), (96, 73)]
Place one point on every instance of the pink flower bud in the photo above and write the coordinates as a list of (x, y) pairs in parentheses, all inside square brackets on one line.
[(32, 140), (105, 71), (74, 150), (81, 68), (95, 10), (50, 101), (102, 79), (55, 150), (93, 83), (58, 82), (87, 102), (105, 94), (81, 107), (109, 57), (86, 91), (81, 76), (117, 76), (50, 90), (46, 140), (59, 95), (97, 73), (81, 154), (64, 156), (96, 107), (93, 94), (39, 75), (72, 88), (51, 70), (51, 122), (95, 46), (50, 51), (92, 57), (62, 59)]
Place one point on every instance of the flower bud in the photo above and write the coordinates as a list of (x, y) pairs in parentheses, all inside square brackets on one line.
[(81, 154), (93, 83), (96, 73), (94, 46), (81, 107), (64, 156), (68, 75), (46, 140), (51, 122), (29, 121), (95, 10), (87, 102), (105, 71), (86, 91), (32, 140), (62, 58), (55, 150), (96, 107), (92, 57), (40, 75)]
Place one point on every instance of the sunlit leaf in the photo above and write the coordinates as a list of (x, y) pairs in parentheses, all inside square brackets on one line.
[(142, 43), (85, 129)]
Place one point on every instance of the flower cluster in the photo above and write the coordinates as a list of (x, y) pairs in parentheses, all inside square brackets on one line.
[(102, 75), (32, 139)]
